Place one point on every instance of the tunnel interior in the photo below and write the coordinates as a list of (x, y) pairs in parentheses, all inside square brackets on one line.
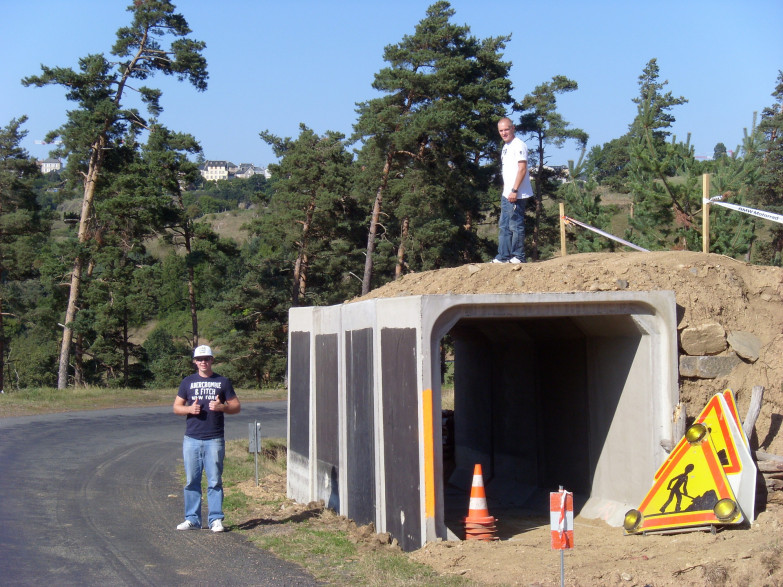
[(544, 402)]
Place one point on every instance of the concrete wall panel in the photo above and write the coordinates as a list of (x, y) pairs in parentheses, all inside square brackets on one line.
[(401, 436), (326, 420), (360, 427), (299, 416)]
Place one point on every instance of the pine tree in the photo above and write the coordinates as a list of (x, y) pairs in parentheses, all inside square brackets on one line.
[(425, 153), (583, 202), (21, 225), (545, 124), (664, 211), (769, 192), (167, 152), (134, 207), (101, 120), (311, 220), (254, 317), (735, 178)]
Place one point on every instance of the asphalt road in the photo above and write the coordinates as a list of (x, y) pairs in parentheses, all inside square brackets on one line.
[(93, 498)]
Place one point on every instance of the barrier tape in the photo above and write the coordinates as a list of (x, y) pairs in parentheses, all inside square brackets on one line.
[(602, 233), (561, 519), (760, 213)]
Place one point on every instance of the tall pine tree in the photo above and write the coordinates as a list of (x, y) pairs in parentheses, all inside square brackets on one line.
[(663, 212), (425, 154), (21, 226), (311, 221), (102, 117)]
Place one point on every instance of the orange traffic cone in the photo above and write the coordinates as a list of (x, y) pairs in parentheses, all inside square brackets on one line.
[(479, 525)]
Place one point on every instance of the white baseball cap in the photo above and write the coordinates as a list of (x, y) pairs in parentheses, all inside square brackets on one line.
[(202, 351)]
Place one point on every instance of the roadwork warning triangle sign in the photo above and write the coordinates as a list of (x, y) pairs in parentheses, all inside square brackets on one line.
[(690, 490), (721, 418)]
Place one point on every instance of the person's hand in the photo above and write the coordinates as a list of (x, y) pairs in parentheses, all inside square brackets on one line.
[(512, 197), (195, 408), (215, 405)]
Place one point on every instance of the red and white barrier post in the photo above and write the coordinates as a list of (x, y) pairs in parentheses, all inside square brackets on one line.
[(561, 518)]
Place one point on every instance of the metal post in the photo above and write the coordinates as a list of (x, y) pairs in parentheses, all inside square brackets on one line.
[(258, 448), (562, 559)]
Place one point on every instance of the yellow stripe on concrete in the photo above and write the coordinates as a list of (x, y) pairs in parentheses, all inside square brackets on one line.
[(429, 456)]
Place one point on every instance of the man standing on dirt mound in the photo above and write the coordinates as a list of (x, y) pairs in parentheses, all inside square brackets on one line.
[(204, 397), (516, 189)]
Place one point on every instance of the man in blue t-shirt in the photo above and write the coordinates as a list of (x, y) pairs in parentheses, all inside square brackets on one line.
[(204, 397)]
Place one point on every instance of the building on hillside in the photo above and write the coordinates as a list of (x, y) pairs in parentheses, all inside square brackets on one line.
[(557, 173), (50, 165), (219, 170), (247, 170)]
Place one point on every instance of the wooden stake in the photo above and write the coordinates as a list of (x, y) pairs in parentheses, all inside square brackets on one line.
[(705, 213), (756, 397), (562, 231)]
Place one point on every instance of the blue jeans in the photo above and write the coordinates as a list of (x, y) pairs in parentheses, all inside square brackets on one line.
[(203, 456), (511, 236)]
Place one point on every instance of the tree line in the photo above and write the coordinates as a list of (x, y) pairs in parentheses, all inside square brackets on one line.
[(136, 277)]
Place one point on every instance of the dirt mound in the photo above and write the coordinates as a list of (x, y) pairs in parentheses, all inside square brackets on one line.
[(709, 288)]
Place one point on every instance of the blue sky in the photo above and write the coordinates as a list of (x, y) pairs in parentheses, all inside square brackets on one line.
[(274, 65)]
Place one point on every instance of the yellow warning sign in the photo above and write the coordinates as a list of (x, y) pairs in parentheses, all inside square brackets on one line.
[(714, 416), (690, 489)]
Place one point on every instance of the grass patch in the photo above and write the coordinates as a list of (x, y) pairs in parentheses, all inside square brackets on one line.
[(47, 400), (329, 546), (332, 556)]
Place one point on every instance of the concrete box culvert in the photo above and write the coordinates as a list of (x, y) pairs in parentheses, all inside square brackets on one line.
[(572, 389)]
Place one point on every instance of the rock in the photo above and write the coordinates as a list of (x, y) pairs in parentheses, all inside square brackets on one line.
[(746, 344), (704, 339), (707, 367)]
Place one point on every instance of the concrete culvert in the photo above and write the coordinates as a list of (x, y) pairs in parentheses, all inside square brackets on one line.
[(550, 389)]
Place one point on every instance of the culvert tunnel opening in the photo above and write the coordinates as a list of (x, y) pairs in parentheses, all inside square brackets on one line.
[(544, 402)]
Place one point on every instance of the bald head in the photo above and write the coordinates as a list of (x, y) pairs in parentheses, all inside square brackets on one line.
[(506, 129)]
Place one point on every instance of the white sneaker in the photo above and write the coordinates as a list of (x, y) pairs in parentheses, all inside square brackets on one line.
[(498, 261), (188, 525), (217, 526), (515, 261)]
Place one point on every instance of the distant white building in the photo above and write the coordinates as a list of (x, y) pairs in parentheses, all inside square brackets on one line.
[(49, 165), (247, 170), (218, 170)]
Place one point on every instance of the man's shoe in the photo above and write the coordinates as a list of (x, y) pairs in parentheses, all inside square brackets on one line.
[(515, 261), (498, 261), (188, 525), (216, 526)]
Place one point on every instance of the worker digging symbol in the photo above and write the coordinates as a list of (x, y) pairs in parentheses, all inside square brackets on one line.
[(693, 470), (678, 486)]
